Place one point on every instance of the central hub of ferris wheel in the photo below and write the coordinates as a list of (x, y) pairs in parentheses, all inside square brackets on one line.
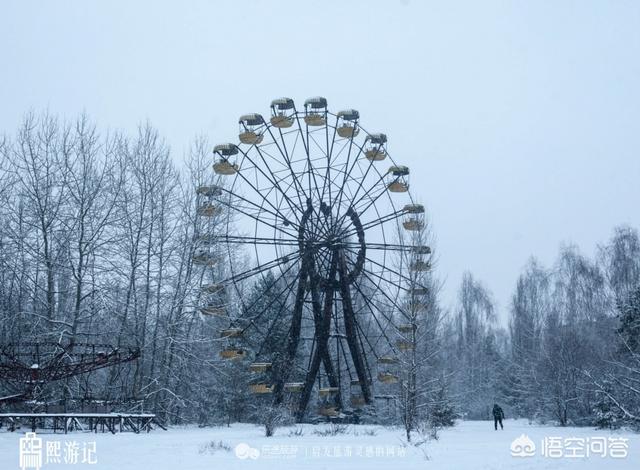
[(331, 249), (325, 235)]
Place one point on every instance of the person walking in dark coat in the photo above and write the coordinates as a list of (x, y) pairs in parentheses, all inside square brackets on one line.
[(498, 416)]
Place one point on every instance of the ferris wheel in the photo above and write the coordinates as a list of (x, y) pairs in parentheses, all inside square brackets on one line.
[(322, 212)]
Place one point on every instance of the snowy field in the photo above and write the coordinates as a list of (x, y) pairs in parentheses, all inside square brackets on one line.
[(469, 445)]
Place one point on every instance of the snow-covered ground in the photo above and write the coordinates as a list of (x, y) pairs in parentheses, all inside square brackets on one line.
[(469, 445)]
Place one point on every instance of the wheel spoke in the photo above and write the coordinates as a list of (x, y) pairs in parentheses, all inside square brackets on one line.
[(263, 267)]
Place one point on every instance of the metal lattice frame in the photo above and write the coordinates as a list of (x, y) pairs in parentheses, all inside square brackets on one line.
[(322, 204), (31, 364)]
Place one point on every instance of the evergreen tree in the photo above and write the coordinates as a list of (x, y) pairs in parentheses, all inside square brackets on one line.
[(629, 315)]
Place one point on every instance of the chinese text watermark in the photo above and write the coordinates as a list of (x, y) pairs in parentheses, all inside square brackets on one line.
[(571, 447), (33, 455)]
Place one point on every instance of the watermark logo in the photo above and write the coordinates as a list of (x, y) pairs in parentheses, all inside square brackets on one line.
[(33, 455), (245, 451), (30, 451), (276, 451), (572, 447), (523, 447)]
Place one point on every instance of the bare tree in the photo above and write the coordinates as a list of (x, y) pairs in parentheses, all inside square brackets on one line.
[(421, 390)]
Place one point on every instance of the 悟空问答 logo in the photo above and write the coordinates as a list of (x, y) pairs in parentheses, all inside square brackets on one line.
[(523, 447)]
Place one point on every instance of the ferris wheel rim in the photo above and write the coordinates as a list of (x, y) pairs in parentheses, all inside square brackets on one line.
[(280, 197)]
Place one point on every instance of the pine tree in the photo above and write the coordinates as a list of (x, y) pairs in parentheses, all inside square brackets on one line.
[(630, 321), (443, 412), (606, 414)]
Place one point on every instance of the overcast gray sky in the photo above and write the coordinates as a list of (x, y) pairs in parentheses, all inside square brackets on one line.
[(519, 120)]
